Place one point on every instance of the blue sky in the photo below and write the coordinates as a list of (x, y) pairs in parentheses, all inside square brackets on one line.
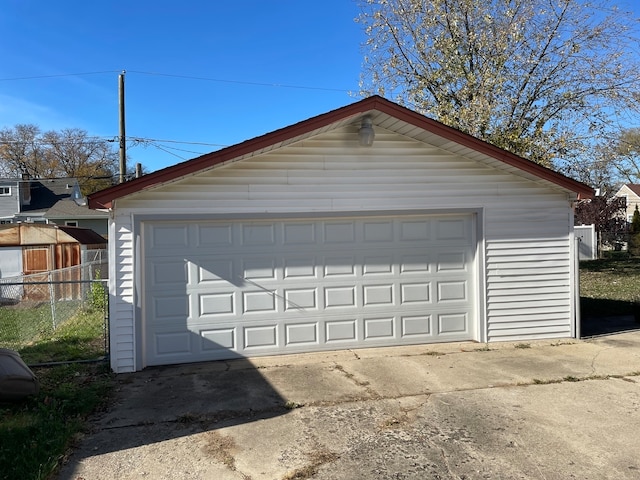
[(213, 72)]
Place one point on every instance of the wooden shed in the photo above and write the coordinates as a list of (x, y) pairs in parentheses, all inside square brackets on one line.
[(28, 249)]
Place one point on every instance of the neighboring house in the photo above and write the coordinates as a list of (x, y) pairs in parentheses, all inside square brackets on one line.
[(55, 200), (15, 195), (304, 240), (72, 214), (630, 191)]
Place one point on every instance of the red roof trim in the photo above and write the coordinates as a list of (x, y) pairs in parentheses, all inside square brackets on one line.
[(105, 198)]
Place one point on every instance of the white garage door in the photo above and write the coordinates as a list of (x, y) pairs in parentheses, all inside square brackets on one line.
[(223, 289)]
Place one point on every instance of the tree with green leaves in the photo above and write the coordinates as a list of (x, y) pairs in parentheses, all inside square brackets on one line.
[(634, 233), (544, 79), (70, 152)]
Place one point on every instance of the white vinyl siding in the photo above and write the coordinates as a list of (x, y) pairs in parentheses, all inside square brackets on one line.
[(526, 281), (121, 305)]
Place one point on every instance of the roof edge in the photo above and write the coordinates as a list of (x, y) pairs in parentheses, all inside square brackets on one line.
[(105, 198)]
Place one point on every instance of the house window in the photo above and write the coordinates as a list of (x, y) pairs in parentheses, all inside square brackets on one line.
[(71, 223), (4, 191)]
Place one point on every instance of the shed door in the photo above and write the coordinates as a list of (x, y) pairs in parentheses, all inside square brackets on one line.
[(223, 289)]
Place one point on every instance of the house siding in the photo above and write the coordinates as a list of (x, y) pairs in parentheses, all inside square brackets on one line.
[(121, 292), (9, 204), (524, 257), (633, 200)]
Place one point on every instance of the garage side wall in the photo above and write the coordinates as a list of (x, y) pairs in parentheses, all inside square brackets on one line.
[(526, 249), (121, 293)]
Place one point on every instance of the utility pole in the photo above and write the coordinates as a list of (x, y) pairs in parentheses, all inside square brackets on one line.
[(123, 140)]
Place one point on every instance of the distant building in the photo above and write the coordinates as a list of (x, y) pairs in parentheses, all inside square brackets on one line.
[(48, 200), (630, 191)]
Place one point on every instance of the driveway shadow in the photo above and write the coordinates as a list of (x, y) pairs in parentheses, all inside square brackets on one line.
[(165, 403), (606, 317)]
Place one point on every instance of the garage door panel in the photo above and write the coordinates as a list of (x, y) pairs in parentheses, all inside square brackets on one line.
[(263, 235), (214, 236), (218, 339), (217, 304), (299, 234), (415, 293), (455, 230), (169, 306), (300, 300), (339, 232), (415, 264), (257, 301), (301, 334), (169, 274), (454, 322), (377, 265), (452, 291), (379, 328), (452, 261), (169, 237), (341, 331), (172, 343), (261, 336), (377, 295), (416, 327), (299, 268), (241, 288), (213, 270)]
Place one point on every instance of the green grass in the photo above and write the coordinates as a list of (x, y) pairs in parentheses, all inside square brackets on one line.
[(81, 338), (610, 286), (36, 432), (18, 325)]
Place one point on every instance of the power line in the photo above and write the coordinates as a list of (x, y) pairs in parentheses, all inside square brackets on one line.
[(178, 149), (167, 151), (240, 82), (187, 77), (143, 140), (36, 77)]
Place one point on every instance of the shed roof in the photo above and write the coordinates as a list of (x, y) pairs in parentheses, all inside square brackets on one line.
[(45, 234), (384, 113)]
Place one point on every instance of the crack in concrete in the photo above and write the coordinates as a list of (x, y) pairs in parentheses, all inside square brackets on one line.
[(202, 419), (372, 394)]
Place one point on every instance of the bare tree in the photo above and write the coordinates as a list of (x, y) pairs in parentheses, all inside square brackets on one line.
[(22, 152), (545, 79), (65, 153)]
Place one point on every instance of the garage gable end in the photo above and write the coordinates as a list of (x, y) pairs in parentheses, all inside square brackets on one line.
[(374, 111)]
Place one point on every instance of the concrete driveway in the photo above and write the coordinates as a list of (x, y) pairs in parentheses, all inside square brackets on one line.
[(542, 410)]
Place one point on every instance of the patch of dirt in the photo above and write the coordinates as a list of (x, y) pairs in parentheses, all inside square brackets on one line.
[(316, 460), (221, 449)]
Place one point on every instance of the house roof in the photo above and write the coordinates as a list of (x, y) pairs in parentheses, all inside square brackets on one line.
[(634, 187), (46, 192), (68, 208), (383, 113)]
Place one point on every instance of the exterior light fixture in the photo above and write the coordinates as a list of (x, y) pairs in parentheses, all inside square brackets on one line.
[(366, 134)]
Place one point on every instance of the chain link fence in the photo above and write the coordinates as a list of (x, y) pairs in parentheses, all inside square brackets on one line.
[(56, 316)]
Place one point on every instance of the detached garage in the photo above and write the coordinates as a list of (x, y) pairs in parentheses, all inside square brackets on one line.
[(305, 239)]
